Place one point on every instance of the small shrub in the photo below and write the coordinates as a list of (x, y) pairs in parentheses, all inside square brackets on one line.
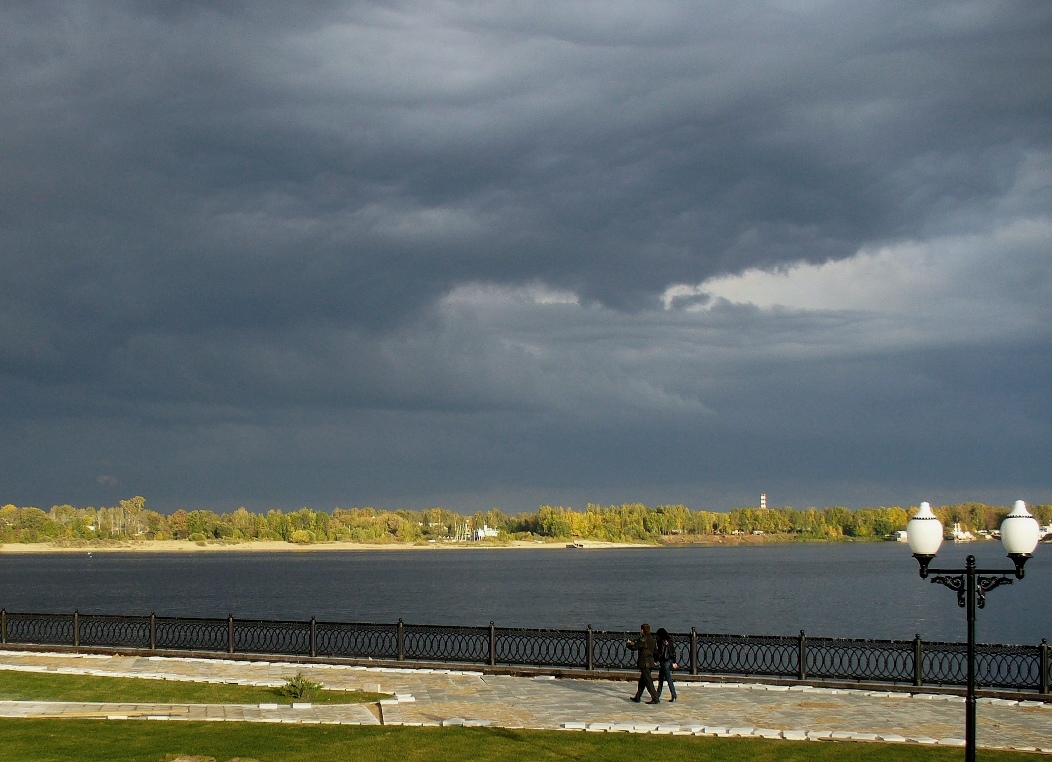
[(302, 536), (300, 687), (197, 537)]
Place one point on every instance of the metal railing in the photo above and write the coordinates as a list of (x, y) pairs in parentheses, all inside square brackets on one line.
[(909, 662)]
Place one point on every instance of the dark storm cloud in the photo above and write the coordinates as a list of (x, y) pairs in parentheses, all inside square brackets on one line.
[(230, 217)]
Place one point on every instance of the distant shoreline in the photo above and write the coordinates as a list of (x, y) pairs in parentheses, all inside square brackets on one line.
[(279, 546)]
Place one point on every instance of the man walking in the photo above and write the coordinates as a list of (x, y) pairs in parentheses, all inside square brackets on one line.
[(645, 647)]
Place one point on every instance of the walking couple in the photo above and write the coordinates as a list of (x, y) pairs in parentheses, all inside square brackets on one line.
[(648, 650)]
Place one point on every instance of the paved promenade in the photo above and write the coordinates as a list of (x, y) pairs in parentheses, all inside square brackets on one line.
[(461, 697)]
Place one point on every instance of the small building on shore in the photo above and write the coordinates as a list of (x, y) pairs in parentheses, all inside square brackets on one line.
[(481, 533)]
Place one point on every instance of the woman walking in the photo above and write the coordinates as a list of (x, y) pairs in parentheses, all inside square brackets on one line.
[(666, 659)]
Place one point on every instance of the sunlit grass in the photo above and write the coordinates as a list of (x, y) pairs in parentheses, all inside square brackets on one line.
[(38, 686), (144, 741)]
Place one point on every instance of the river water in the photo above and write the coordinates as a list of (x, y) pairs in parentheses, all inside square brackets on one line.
[(868, 590)]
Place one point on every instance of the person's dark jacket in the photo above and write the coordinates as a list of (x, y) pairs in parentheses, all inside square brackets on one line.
[(666, 650), (645, 647)]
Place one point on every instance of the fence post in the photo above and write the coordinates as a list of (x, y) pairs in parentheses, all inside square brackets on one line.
[(313, 637), (76, 629), (1044, 666), (401, 639), (803, 656), (3, 626), (153, 631), (492, 644), (693, 651), (918, 661), (230, 634)]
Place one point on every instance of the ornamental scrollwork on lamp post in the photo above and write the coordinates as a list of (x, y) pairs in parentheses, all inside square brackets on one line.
[(957, 585), (984, 585), (1019, 535)]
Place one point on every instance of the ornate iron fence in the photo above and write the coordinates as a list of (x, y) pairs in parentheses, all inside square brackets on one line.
[(115, 631), (911, 662), (768, 655), (843, 659), (357, 641), (192, 634)]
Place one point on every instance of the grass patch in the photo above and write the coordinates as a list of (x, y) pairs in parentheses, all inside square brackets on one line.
[(144, 741), (41, 686)]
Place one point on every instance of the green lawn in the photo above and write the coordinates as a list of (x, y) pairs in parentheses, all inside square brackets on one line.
[(38, 686), (145, 741), (150, 741)]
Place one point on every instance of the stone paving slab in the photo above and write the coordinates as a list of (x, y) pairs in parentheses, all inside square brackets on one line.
[(439, 697)]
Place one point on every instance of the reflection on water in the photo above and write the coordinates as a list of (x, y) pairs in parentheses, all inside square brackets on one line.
[(844, 590)]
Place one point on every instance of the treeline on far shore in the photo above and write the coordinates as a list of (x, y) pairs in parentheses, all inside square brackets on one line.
[(633, 522)]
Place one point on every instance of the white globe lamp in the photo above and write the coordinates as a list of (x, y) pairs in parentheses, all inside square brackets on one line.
[(1020, 534), (924, 534)]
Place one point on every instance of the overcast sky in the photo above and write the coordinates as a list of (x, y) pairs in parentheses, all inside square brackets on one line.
[(480, 254)]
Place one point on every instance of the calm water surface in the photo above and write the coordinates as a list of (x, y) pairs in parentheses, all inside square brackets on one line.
[(845, 590)]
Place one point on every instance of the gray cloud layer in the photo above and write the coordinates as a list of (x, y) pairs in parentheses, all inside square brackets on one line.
[(411, 253)]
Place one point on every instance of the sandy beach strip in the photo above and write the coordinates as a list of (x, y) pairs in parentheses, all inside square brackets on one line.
[(277, 546)]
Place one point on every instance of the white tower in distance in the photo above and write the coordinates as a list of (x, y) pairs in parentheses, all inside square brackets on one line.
[(763, 500)]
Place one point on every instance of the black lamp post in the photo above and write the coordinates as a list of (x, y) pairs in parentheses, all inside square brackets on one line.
[(1019, 535)]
